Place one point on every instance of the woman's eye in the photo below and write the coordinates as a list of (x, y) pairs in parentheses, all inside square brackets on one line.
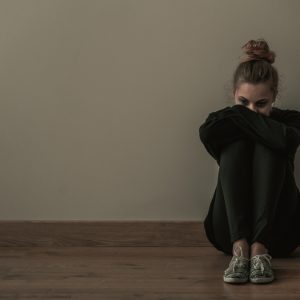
[(258, 104)]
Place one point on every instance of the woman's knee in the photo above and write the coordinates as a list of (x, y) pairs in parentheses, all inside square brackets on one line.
[(239, 145), (265, 153), (237, 153), (268, 161)]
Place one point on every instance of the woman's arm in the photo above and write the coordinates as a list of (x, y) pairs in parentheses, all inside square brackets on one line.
[(261, 128), (219, 130), (226, 125), (291, 119)]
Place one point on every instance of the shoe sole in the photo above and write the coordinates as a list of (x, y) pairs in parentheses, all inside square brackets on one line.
[(261, 280), (235, 280)]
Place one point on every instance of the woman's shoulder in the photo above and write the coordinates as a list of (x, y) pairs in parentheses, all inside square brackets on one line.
[(278, 109), (283, 114)]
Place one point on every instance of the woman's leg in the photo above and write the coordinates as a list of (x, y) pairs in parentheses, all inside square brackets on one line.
[(274, 201), (216, 222), (228, 220), (268, 202), (236, 181)]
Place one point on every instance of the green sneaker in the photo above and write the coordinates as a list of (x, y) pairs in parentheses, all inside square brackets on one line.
[(261, 269), (238, 270)]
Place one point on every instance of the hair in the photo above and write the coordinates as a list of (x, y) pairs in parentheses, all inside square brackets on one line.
[(256, 66)]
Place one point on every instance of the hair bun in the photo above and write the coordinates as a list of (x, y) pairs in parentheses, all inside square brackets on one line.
[(257, 50)]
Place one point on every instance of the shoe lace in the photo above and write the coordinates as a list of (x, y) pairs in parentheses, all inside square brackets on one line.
[(237, 258), (258, 262)]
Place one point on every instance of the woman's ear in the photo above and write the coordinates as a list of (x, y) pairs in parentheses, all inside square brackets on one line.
[(273, 102)]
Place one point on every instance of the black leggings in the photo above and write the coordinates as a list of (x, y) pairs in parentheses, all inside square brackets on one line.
[(256, 198)]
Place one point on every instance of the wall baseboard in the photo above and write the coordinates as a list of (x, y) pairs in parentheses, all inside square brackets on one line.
[(102, 234)]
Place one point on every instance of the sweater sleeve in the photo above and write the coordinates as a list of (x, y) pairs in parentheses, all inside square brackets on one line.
[(232, 123), (291, 120), (219, 130), (261, 128)]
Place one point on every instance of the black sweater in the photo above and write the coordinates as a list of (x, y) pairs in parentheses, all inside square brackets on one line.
[(280, 131)]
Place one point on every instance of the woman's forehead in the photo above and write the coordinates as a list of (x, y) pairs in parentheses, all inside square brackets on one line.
[(254, 91)]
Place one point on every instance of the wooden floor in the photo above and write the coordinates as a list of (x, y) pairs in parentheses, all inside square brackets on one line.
[(134, 273)]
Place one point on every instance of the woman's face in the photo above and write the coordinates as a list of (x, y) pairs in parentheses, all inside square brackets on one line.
[(257, 97)]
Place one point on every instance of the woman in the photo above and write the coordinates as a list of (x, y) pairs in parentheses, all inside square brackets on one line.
[(255, 210)]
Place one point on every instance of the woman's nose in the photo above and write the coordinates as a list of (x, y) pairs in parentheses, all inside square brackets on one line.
[(252, 107)]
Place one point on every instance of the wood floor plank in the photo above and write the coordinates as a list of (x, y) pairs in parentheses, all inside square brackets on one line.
[(134, 273)]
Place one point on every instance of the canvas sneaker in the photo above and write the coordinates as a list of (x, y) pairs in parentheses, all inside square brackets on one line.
[(261, 269), (238, 269)]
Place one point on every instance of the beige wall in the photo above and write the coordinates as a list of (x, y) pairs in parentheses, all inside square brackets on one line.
[(101, 101)]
